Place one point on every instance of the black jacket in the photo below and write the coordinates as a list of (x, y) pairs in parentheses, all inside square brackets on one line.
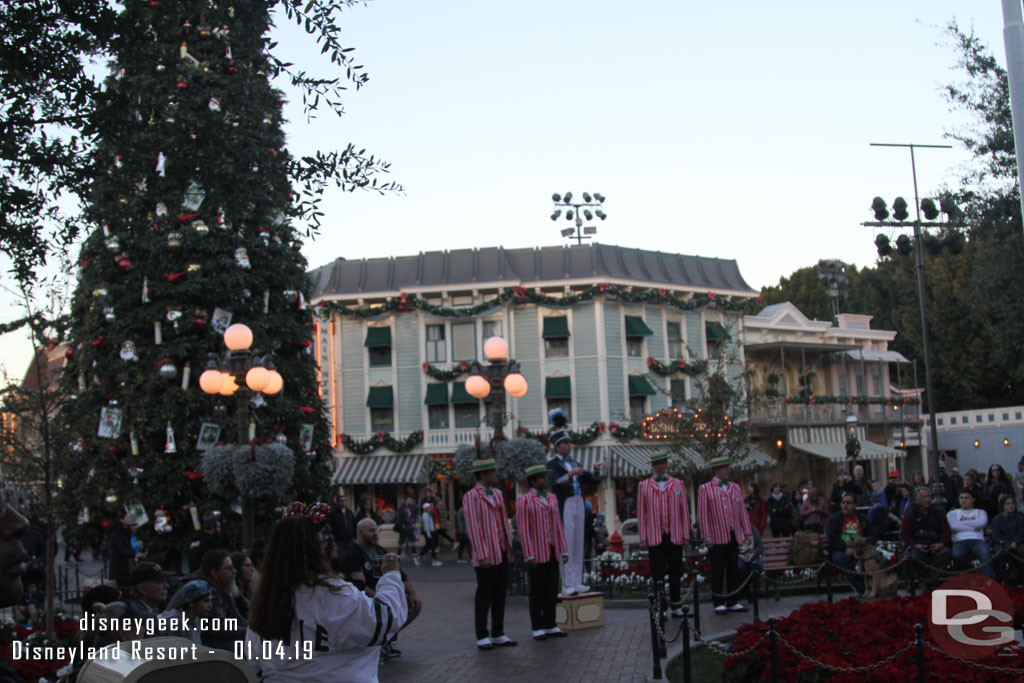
[(342, 524), (834, 531), (122, 557), (563, 489)]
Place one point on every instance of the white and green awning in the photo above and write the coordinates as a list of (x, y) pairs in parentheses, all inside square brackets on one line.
[(380, 469)]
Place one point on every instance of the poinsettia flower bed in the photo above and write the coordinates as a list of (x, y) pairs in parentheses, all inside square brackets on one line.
[(851, 633), (65, 634)]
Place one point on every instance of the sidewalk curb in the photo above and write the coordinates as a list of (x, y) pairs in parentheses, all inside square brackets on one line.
[(675, 650)]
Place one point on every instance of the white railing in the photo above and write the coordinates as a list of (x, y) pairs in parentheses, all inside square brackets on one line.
[(777, 411)]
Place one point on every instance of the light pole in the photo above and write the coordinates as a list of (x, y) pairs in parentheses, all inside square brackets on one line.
[(574, 211), (501, 374), (240, 372), (903, 246), (832, 273)]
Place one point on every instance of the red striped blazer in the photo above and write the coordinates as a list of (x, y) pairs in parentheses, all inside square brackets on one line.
[(540, 527), (721, 510), (662, 510), (487, 524)]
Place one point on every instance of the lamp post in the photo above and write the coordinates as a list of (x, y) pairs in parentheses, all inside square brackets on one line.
[(499, 375), (852, 442), (832, 273), (574, 211), (240, 372)]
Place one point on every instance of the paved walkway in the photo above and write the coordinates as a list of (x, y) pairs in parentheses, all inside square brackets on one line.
[(440, 645)]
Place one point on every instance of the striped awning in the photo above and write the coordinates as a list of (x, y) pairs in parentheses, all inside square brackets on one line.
[(587, 456), (830, 443), (380, 469), (635, 461)]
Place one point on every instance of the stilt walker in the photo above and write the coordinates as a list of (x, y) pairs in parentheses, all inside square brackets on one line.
[(723, 521), (567, 477), (664, 517), (487, 524), (544, 549)]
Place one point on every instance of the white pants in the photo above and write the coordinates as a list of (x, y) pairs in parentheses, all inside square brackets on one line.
[(572, 521)]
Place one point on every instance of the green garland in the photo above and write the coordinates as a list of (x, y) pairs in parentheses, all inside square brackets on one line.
[(408, 302), (626, 432), (852, 400), (382, 440), (580, 438), (449, 375), (697, 367)]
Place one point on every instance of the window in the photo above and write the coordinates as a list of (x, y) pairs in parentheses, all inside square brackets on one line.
[(463, 341), (860, 384), (1006, 416), (876, 382), (636, 330), (383, 419), (437, 416), (977, 418), (635, 347), (844, 385), (991, 417), (378, 346), (556, 348), (436, 349), (462, 301), (940, 420), (556, 337), (467, 415), (1016, 416), (715, 334), (637, 408), (674, 333), (563, 404), (380, 356), (677, 392), (491, 328), (952, 420)]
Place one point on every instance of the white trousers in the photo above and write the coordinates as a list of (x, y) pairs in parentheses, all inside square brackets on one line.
[(572, 521)]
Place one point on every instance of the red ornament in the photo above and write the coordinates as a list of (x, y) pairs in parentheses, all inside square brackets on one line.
[(600, 427), (185, 217), (199, 324), (69, 353), (182, 85), (426, 367), (306, 343), (309, 411), (662, 293), (650, 361), (232, 69), (124, 264), (106, 523), (96, 342), (111, 450), (193, 476), (172, 277), (403, 299), (273, 152)]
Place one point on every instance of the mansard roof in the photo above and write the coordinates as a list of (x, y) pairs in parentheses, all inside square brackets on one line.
[(500, 267)]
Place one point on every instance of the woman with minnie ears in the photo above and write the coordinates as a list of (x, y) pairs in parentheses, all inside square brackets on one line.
[(322, 628)]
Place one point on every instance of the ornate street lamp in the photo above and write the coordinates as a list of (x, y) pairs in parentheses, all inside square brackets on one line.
[(501, 374), (240, 372), (575, 211)]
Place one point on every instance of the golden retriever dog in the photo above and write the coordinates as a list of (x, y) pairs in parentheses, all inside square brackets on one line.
[(880, 581)]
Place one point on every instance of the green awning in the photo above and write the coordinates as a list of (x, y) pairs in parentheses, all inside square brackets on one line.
[(636, 327), (556, 327), (715, 332), (378, 336), (437, 394), (380, 397), (558, 387), (639, 386), (460, 395)]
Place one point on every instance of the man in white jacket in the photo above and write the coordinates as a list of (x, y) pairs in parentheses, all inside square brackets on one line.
[(968, 527), (430, 537)]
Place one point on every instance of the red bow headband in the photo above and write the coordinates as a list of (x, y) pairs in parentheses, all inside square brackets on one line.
[(316, 512)]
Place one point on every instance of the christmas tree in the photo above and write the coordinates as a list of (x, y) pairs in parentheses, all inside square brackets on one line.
[(192, 205)]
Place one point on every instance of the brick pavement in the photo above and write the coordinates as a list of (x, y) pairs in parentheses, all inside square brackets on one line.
[(440, 645)]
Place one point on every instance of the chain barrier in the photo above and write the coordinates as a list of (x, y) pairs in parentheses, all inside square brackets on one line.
[(971, 663), (656, 610), (724, 651), (891, 568), (955, 572), (847, 670), (738, 590), (796, 579)]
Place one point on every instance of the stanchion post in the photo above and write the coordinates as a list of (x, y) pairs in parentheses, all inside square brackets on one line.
[(755, 590), (686, 644), (655, 649), (662, 604), (827, 568), (773, 652), (696, 604), (922, 674)]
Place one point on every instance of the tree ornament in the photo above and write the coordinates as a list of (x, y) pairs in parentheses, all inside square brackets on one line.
[(168, 370), (281, 438), (108, 314), (145, 290), (173, 316), (161, 209), (161, 163), (242, 258), (162, 521), (128, 350), (290, 295), (200, 227), (186, 375), (113, 244), (200, 322), (124, 263), (158, 333), (194, 268), (193, 512), (214, 103), (174, 241), (194, 197), (134, 441), (182, 85), (169, 446)]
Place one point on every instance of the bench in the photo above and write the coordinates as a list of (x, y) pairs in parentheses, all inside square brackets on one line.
[(777, 558)]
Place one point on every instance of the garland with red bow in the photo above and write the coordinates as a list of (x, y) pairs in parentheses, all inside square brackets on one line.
[(449, 375), (382, 440), (580, 438), (697, 367)]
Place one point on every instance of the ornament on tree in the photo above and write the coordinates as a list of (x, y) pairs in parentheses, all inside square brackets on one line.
[(161, 164), (194, 197), (242, 258), (281, 438), (99, 292), (133, 440), (169, 445), (194, 268), (108, 314), (113, 244), (162, 521), (158, 333), (145, 290), (186, 375), (124, 263), (193, 512), (161, 209), (266, 302), (110, 421), (173, 316), (302, 302), (214, 103), (174, 241), (200, 227), (290, 295), (200, 322), (222, 222), (128, 350), (181, 85), (83, 516), (257, 400), (168, 370)]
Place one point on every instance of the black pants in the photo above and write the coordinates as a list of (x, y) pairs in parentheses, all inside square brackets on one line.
[(544, 583), (671, 554), (465, 545), (430, 546), (491, 584), (724, 558)]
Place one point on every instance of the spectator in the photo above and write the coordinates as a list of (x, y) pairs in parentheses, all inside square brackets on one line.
[(588, 529), (970, 484), (1008, 540), (367, 511), (780, 512), (917, 479), (1018, 478), (627, 508), (842, 528), (903, 502), (814, 512), (757, 510), (208, 539), (463, 532), (600, 534), (342, 522), (192, 602), (842, 486), (878, 515), (968, 529), (892, 488), (123, 553), (245, 579), (863, 486), (429, 537), (925, 532), (997, 484), (441, 519), (149, 589), (956, 484), (218, 571), (298, 595), (750, 557)]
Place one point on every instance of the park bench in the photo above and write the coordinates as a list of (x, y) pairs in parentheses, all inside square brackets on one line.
[(778, 558)]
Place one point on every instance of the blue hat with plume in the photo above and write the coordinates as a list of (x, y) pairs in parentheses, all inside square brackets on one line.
[(559, 434)]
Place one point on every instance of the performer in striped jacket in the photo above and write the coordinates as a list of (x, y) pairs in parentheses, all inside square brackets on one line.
[(664, 517), (487, 524), (723, 522), (543, 541)]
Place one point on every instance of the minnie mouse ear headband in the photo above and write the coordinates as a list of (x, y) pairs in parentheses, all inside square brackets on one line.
[(316, 512)]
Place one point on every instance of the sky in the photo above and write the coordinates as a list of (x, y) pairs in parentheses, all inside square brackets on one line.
[(733, 130)]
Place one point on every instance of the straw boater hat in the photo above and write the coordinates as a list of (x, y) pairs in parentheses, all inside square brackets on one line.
[(720, 460), (484, 465), (534, 470), (659, 457)]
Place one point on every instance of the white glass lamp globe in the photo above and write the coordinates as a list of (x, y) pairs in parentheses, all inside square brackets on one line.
[(515, 385), (274, 383), (229, 386), (238, 337), (257, 378), (211, 381), (477, 386), (495, 348)]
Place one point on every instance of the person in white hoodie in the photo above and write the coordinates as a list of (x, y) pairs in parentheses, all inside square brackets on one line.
[(430, 537), (968, 527)]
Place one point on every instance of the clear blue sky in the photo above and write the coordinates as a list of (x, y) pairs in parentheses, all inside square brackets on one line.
[(736, 130)]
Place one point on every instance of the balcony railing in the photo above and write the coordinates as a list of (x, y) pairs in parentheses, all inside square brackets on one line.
[(777, 411)]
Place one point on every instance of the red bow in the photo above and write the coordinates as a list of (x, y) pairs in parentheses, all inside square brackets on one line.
[(194, 476), (711, 295), (171, 277), (463, 365), (650, 361), (187, 216), (426, 367), (98, 341), (519, 292), (307, 410), (603, 286), (662, 293)]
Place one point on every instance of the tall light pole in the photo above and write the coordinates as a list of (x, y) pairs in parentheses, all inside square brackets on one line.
[(240, 372), (501, 374), (575, 211), (899, 207), (832, 273)]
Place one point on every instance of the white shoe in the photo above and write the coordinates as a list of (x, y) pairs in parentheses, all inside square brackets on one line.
[(437, 563), (721, 609), (416, 560), (737, 607), (568, 590), (677, 612), (581, 588)]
